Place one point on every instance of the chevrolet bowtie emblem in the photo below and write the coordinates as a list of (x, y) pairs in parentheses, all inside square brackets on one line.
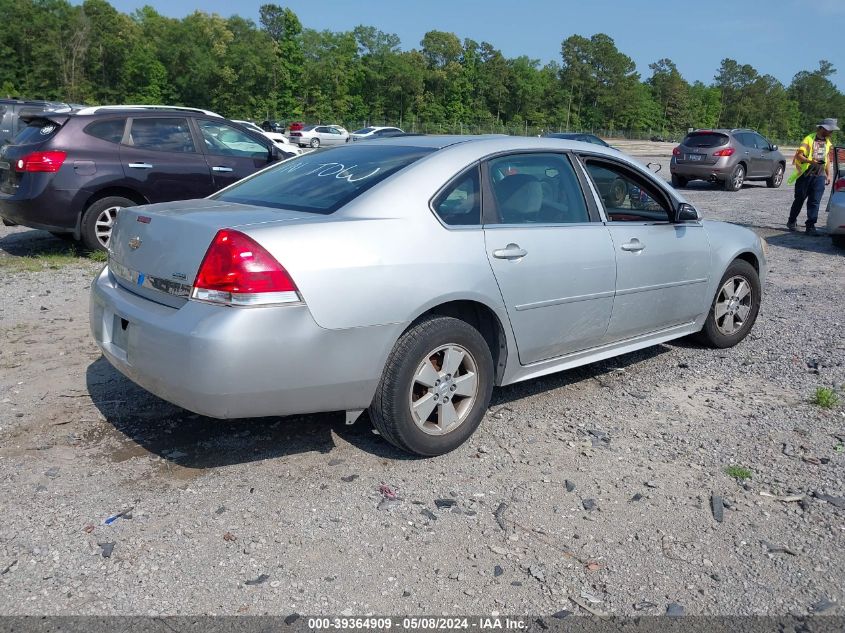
[(135, 243)]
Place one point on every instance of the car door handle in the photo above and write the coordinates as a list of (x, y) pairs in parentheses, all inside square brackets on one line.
[(223, 169), (634, 246), (140, 166), (511, 251)]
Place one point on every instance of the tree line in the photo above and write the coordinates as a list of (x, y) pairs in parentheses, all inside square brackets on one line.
[(92, 53)]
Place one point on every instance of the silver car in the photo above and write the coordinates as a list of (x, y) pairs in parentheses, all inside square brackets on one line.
[(319, 136), (836, 202), (409, 276)]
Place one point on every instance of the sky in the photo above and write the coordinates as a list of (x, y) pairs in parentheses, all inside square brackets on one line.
[(777, 37)]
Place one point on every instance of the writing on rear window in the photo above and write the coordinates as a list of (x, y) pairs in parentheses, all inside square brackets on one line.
[(338, 170), (323, 181)]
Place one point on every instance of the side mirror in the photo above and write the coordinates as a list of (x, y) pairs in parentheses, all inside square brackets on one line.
[(275, 153), (774, 148), (686, 213)]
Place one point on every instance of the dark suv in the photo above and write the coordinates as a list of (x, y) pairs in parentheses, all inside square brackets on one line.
[(11, 110), (727, 157), (70, 173)]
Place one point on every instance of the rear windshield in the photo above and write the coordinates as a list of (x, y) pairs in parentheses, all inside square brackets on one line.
[(324, 181), (364, 130), (37, 131), (705, 139)]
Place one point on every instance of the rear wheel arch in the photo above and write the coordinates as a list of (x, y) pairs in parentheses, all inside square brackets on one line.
[(482, 318), (119, 192)]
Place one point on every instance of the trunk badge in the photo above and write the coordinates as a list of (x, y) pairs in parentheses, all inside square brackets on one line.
[(135, 243)]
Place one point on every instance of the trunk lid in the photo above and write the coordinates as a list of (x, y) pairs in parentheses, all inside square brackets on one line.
[(155, 251)]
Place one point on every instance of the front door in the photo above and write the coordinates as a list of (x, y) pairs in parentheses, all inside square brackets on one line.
[(552, 258), (162, 162), (231, 154), (662, 268)]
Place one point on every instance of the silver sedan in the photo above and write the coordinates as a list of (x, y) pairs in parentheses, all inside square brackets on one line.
[(409, 276), (836, 202)]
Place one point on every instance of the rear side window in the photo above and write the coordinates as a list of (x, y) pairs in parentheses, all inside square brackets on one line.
[(37, 131), (705, 139), (322, 182), (169, 134), (460, 203), (110, 130)]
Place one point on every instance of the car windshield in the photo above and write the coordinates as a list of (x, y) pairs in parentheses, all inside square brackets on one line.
[(364, 130), (308, 128), (705, 139), (322, 182)]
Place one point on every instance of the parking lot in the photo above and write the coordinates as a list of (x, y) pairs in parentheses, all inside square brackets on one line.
[(598, 487)]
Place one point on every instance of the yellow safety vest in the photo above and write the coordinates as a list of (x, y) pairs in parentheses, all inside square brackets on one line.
[(806, 148)]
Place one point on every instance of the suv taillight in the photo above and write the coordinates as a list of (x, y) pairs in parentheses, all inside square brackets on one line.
[(49, 162), (237, 271), (839, 185), (676, 151), (728, 151)]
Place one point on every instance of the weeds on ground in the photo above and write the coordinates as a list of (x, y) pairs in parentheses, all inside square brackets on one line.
[(52, 258), (825, 397), (738, 472)]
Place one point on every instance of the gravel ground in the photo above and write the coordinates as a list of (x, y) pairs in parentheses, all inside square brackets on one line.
[(595, 485)]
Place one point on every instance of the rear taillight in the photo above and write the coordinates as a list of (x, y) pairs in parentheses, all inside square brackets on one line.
[(728, 151), (237, 271), (676, 151), (41, 161), (839, 185)]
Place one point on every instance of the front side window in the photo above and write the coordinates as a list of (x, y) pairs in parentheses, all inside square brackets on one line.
[(762, 142), (536, 188), (322, 182), (170, 134), (460, 203), (224, 140), (627, 197)]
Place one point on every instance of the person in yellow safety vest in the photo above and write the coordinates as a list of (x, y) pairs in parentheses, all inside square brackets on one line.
[(812, 174)]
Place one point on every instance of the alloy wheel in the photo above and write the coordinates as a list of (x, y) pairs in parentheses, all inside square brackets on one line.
[(104, 224), (444, 389), (733, 305)]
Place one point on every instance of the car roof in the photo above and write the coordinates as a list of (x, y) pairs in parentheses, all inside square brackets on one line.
[(494, 142)]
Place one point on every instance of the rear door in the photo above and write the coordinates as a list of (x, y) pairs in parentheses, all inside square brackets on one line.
[(552, 257), (750, 153), (232, 154), (161, 159), (662, 268)]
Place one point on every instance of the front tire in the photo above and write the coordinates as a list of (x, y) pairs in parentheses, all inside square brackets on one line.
[(734, 308), (435, 388), (777, 178), (735, 180), (98, 221)]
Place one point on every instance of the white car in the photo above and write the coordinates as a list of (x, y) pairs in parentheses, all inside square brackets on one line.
[(279, 139), (374, 131), (315, 136), (836, 202)]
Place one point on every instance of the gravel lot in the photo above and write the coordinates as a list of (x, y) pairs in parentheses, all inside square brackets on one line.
[(285, 515)]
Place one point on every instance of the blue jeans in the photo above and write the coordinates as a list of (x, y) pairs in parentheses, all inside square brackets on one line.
[(811, 189)]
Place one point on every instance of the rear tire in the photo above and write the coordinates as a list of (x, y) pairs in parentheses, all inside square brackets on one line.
[(98, 220), (315, 143), (777, 178), (735, 180), (419, 405), (679, 182), (734, 308)]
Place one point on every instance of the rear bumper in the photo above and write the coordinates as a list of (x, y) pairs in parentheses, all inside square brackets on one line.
[(237, 362), (51, 209), (694, 171)]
